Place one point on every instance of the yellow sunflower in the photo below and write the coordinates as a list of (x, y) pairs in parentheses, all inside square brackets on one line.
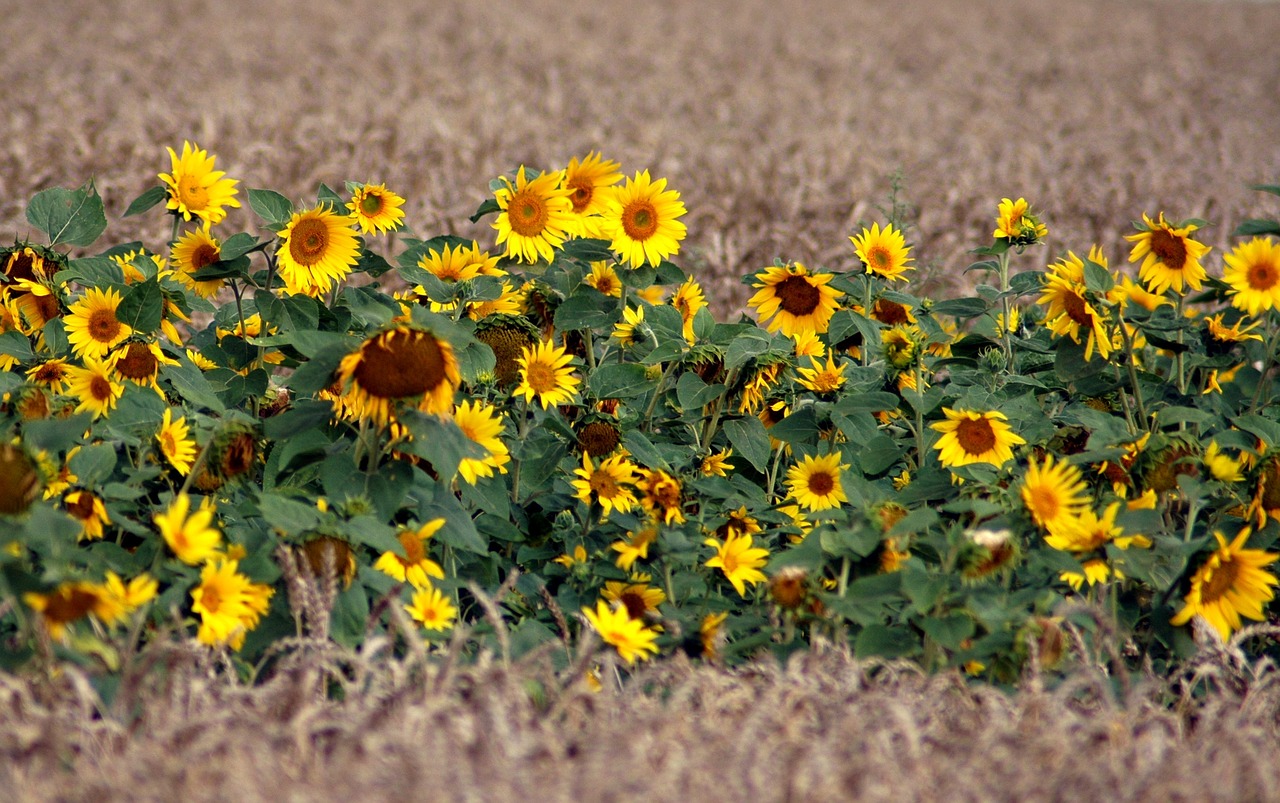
[(376, 208), (176, 443), (635, 547), (716, 465), (87, 508), (739, 560), (432, 609), (1222, 466), (821, 378), (94, 387), (641, 220), (194, 250), (140, 363), (794, 300), (808, 344), (402, 365), (51, 374), (814, 482), (191, 536), (1070, 312), (1016, 223), (228, 603), (1253, 272), (884, 252), (688, 298), (92, 326), (630, 637), (545, 372), (318, 248), (973, 437), (1170, 258), (607, 483), (537, 216), (661, 496), (604, 279), (625, 330), (1230, 584), (639, 599), (195, 188), (587, 182), (458, 264), (415, 568), (70, 602), (1054, 493), (482, 424)]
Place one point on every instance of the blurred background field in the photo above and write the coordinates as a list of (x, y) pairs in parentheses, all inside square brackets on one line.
[(781, 124)]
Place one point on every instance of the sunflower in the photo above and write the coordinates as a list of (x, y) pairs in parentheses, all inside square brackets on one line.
[(688, 298), (635, 547), (1053, 493), (901, 346), (625, 330), (1222, 333), (661, 495), (192, 537), (883, 252), (376, 208), (194, 250), (94, 387), (973, 437), (176, 443), (432, 609), (507, 336), (716, 465), (318, 247), (639, 599), (415, 567), (739, 560), (537, 216), (402, 365), (738, 522), (510, 302), (1223, 467), (794, 300), (604, 279), (482, 424), (814, 482), (140, 363), (128, 598), (1070, 310), (711, 634), (1170, 258), (598, 435), (87, 508), (51, 374), (70, 602), (1088, 531), (1230, 584), (759, 385), (587, 182), (545, 372), (195, 188), (458, 264), (92, 326), (228, 603), (1253, 272), (1095, 570), (616, 628), (641, 220), (607, 483), (822, 378), (1016, 223)]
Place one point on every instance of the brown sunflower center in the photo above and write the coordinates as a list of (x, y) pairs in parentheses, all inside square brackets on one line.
[(204, 254), (581, 196), (103, 326), (22, 265), (414, 552), (527, 214), (138, 363), (46, 306), (309, 241), (82, 508), (797, 296), (192, 193), (606, 284), (976, 437), (1270, 483), (666, 493), (1077, 309), (400, 364), (168, 442), (1219, 581), (640, 220), (540, 376), (69, 604), (821, 483), (890, 312), (1262, 276), (603, 483), (633, 601), (598, 438), (371, 204), (100, 388), (238, 455), (1170, 248), (879, 258)]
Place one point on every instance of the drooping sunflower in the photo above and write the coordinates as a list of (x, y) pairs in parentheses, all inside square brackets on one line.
[(88, 509), (195, 188), (537, 216), (194, 250), (228, 603), (415, 568), (376, 208), (969, 437), (93, 327), (191, 536), (587, 182), (402, 365), (1070, 311), (688, 298), (793, 299), (814, 482), (482, 424), (176, 443), (901, 346), (140, 363), (1016, 223), (884, 252), (318, 248), (432, 609), (459, 264), (604, 279), (1230, 584), (641, 220), (630, 637), (1222, 466), (607, 483), (822, 378), (739, 560), (70, 602), (1170, 258), (94, 387), (1253, 272), (625, 330), (545, 372), (639, 599), (661, 495), (1053, 492), (717, 464)]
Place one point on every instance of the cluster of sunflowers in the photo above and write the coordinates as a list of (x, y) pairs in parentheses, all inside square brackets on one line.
[(560, 435)]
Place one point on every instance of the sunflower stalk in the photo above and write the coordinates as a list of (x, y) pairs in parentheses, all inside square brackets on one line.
[(657, 393), (1260, 394), (1133, 377)]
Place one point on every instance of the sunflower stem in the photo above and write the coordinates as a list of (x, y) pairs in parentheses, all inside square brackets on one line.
[(590, 347), (522, 431), (1269, 361), (1182, 377), (177, 225), (713, 423), (657, 392), (1133, 375), (866, 313), (1006, 339)]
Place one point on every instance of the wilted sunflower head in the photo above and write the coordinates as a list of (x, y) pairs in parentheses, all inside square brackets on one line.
[(19, 479), (327, 556), (232, 454), (508, 336), (1163, 466), (707, 361), (598, 435), (986, 553), (541, 301), (31, 402), (405, 364)]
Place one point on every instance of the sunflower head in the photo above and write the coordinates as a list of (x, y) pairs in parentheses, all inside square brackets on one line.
[(987, 553), (318, 248), (329, 557), (1017, 225), (19, 479), (793, 299), (598, 435), (1170, 257), (195, 188), (376, 208), (405, 364), (883, 252), (233, 452), (508, 336)]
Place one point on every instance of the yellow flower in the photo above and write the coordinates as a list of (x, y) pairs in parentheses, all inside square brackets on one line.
[(94, 387), (814, 482), (432, 609), (402, 365), (1231, 334), (482, 424), (577, 558), (92, 326), (883, 252), (458, 264), (808, 344), (638, 599), (822, 378), (688, 298), (194, 250), (1170, 258), (711, 634), (625, 331), (607, 482), (1222, 467), (376, 208), (129, 598), (536, 217), (1253, 273), (176, 443), (716, 464), (70, 602), (636, 547), (793, 299), (641, 220), (661, 495), (1087, 531), (1016, 223), (616, 627), (1070, 312), (973, 437), (87, 508), (195, 188), (1231, 583), (140, 363), (415, 567), (587, 182), (52, 374), (739, 560), (1096, 571), (1053, 493), (604, 279), (318, 248), (545, 372), (192, 537), (228, 603)]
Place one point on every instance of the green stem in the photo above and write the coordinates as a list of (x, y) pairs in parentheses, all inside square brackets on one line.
[(1133, 375), (522, 431), (657, 392), (709, 431), (177, 225), (1005, 338), (1182, 377), (1268, 363), (866, 313)]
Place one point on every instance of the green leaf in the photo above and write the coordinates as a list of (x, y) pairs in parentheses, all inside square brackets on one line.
[(487, 207), (1257, 227), (1268, 431), (271, 206), (96, 271), (286, 514), (1070, 365), (189, 383), (237, 245), (317, 373), (751, 440), (16, 344), (799, 427), (69, 217), (146, 200), (961, 307), (619, 381), (693, 393), (1274, 189), (142, 307), (583, 311), (885, 642), (1097, 278), (92, 465), (439, 441), (950, 630), (879, 455), (459, 530), (750, 343)]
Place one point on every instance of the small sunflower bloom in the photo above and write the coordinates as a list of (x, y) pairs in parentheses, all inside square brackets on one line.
[(635, 547), (639, 599), (194, 250), (93, 327), (630, 637), (739, 560), (536, 217), (625, 330), (641, 220), (688, 298), (588, 181), (606, 483), (661, 495), (604, 279), (1016, 223), (717, 464), (482, 424), (546, 373), (814, 482), (793, 299), (969, 436), (376, 209), (94, 387), (415, 568), (318, 248), (432, 609), (176, 443), (821, 378), (191, 536), (196, 188), (883, 252), (88, 509), (1170, 258), (228, 603), (1253, 274), (1053, 493)]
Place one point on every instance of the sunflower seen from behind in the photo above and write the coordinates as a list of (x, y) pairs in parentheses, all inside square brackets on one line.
[(1170, 257), (970, 436), (195, 188), (793, 299), (641, 221), (536, 217), (318, 248), (376, 209), (404, 365)]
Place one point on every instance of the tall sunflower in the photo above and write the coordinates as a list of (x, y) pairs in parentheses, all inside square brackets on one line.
[(376, 208), (318, 248), (402, 365), (545, 373), (482, 424), (793, 299), (1070, 311), (192, 536), (1016, 223), (641, 220), (884, 252), (1170, 258), (607, 483), (195, 188), (94, 387), (537, 216), (588, 182), (1231, 583), (1053, 493), (1253, 272), (739, 560), (975, 437), (194, 250), (814, 482), (93, 327)]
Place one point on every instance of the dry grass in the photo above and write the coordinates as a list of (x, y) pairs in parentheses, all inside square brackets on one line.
[(779, 123)]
